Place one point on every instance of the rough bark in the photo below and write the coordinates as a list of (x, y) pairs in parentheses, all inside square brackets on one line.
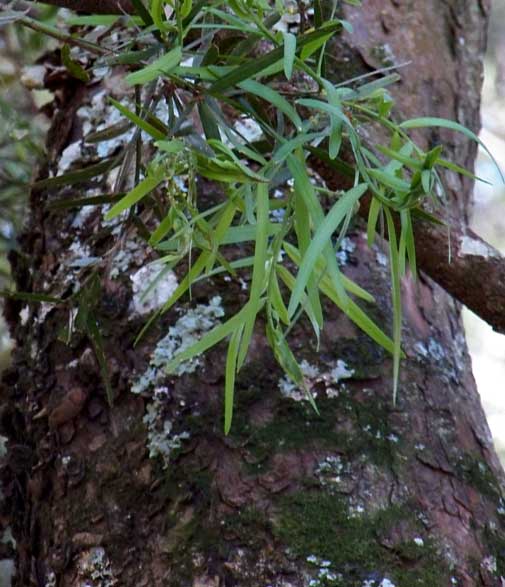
[(366, 490)]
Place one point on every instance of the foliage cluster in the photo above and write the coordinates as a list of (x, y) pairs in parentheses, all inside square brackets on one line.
[(226, 62)]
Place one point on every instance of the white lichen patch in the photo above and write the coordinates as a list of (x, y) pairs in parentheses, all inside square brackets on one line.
[(324, 575), (85, 212), (185, 332), (50, 579), (356, 510), (3, 446), (313, 375), (249, 129), (489, 564), (79, 256), (152, 286), (347, 246), (161, 440), (131, 253), (70, 155), (381, 259), (32, 77), (433, 350), (476, 247), (95, 569), (373, 583), (332, 472)]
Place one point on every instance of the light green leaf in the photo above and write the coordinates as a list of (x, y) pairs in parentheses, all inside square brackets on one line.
[(137, 193), (210, 339), (140, 122), (394, 263), (259, 269), (230, 371), (274, 98), (427, 122), (161, 66), (373, 216), (289, 54)]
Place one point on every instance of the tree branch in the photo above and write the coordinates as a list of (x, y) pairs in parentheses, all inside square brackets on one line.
[(94, 6), (475, 273)]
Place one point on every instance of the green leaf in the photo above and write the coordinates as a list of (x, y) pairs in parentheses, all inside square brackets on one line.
[(95, 337), (30, 297), (78, 175), (287, 360), (305, 190), (208, 120), (73, 67), (289, 54), (217, 334), (254, 67), (352, 311), (140, 122), (349, 285), (461, 170), (427, 122), (373, 216), (173, 146), (230, 371), (259, 269), (321, 239), (394, 263), (275, 299), (161, 66), (142, 11), (274, 98), (226, 171), (135, 195)]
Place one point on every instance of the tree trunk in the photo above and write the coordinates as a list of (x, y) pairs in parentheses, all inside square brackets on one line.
[(151, 493)]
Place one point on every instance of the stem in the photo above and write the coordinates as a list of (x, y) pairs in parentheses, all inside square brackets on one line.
[(64, 37)]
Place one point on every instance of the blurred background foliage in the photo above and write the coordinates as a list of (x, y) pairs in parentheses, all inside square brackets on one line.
[(22, 130), (488, 220)]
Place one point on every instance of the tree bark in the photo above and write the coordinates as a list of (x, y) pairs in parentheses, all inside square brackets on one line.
[(363, 494)]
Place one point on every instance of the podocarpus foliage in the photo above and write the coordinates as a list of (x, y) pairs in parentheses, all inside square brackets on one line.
[(228, 64)]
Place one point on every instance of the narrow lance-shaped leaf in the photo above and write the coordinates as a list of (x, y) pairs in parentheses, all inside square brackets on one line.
[(321, 239), (137, 193), (394, 263), (230, 371), (427, 122), (259, 268), (289, 54), (373, 216), (163, 65), (270, 95), (139, 121)]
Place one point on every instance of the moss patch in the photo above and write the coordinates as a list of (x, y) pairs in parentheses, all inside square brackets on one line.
[(295, 425), (318, 525), (477, 473)]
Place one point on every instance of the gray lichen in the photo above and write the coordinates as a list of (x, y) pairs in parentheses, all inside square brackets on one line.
[(161, 440), (312, 375), (189, 328)]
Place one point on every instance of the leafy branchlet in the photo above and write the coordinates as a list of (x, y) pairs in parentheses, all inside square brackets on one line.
[(248, 103)]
